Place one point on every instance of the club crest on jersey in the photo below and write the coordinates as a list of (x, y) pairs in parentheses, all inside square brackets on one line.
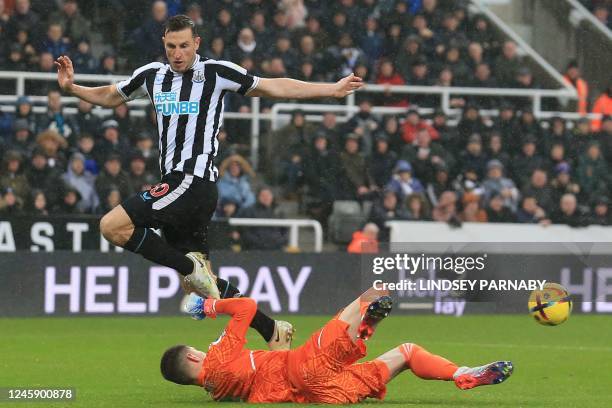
[(198, 76), (167, 103)]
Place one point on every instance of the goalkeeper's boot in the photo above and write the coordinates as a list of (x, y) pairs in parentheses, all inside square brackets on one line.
[(193, 305), (493, 373), (201, 280), (376, 311), (282, 336)]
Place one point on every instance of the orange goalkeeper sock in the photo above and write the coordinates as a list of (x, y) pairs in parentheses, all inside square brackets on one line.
[(426, 365)]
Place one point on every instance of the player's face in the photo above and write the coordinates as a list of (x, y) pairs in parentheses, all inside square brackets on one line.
[(181, 48)]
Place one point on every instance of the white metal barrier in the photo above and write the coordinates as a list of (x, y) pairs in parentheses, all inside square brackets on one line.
[(584, 13), (292, 224), (346, 109)]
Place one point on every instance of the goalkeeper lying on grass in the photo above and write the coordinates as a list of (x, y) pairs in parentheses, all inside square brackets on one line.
[(323, 370)]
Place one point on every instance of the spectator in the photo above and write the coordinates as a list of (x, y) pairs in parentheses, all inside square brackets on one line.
[(389, 76), (10, 204), (140, 178), (22, 141), (381, 162), (524, 80), (413, 123), (55, 119), (112, 142), (498, 212), (440, 183), (55, 43), (364, 124), (346, 55), (69, 203), (83, 60), (569, 213), (420, 76), (603, 106), (41, 176), (108, 64), (410, 53), (86, 146), (39, 204), (402, 183), (556, 156), (364, 241), (418, 207), (497, 184), (563, 184), (483, 79), (481, 33), (112, 199), (385, 208), (288, 145), (126, 123), (146, 147), (446, 209), (216, 49), (472, 212), (355, 180), (74, 25), (525, 163), (322, 173), (423, 154), (24, 19), (539, 188), (508, 127), (574, 78), (235, 181), (245, 46), (112, 177), (471, 123), (581, 139), (592, 172), (12, 177), (496, 149), (507, 64), (262, 238), (147, 37), (85, 119), (530, 212), (473, 157), (81, 180), (601, 212), (557, 134), (605, 138)]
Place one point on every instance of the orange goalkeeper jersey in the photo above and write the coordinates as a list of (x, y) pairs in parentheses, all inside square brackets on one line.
[(320, 371)]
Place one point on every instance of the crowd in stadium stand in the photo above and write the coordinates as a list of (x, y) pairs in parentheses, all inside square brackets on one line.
[(510, 168)]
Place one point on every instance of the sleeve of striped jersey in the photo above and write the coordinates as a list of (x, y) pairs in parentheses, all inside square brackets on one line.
[(135, 86), (235, 78)]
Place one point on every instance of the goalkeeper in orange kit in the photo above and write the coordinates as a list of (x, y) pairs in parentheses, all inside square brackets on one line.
[(323, 370)]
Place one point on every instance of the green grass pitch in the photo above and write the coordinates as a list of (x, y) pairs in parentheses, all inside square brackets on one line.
[(114, 362)]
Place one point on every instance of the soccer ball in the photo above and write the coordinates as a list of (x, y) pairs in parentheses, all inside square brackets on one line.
[(551, 305)]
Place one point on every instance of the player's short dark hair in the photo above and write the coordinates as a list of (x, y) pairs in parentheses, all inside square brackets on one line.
[(173, 365), (179, 23)]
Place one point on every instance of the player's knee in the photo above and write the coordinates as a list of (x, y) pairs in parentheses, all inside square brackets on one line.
[(111, 230), (408, 350)]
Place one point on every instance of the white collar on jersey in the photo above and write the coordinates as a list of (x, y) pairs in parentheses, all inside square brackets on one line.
[(195, 61)]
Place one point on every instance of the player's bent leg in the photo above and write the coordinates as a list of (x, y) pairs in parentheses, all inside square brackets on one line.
[(116, 226), (430, 366)]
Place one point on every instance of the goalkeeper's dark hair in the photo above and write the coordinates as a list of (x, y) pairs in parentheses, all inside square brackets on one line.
[(173, 365), (179, 23)]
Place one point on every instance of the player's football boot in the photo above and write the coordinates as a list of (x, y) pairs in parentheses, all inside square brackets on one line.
[(201, 280), (376, 311), (493, 373), (193, 305), (282, 336)]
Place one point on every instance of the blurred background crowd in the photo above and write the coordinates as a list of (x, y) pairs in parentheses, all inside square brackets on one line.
[(507, 168)]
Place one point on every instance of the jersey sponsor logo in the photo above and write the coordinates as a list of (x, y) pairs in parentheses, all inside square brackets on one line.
[(166, 103), (198, 76)]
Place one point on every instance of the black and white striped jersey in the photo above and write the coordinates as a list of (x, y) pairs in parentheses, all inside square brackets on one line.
[(189, 109)]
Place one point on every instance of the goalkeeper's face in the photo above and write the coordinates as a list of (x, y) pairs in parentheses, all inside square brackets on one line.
[(181, 47), (182, 364)]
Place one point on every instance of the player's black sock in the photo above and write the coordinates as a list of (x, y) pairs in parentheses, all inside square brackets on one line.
[(148, 244), (261, 322)]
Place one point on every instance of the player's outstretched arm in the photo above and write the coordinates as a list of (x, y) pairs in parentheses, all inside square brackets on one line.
[(106, 96), (241, 311), (293, 89)]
